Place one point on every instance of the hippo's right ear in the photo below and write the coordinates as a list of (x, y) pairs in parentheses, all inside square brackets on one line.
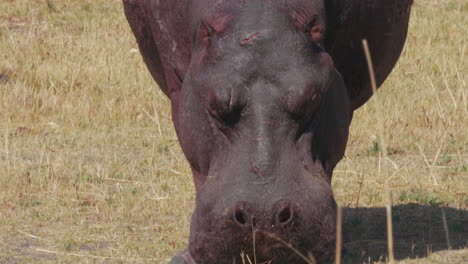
[(384, 23), (162, 38)]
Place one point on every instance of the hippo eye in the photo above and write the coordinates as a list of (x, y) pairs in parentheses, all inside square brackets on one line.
[(301, 110), (225, 109), (227, 115)]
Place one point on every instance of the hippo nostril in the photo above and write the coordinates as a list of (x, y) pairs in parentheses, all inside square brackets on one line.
[(285, 215), (240, 217)]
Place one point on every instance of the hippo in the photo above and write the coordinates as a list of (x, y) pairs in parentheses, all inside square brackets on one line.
[(262, 96)]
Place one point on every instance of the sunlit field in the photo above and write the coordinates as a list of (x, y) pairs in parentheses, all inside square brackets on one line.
[(91, 169)]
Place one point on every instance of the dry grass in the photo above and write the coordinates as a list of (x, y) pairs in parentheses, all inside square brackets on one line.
[(91, 170)]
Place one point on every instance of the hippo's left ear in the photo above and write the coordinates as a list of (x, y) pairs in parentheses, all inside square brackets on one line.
[(384, 23), (163, 39)]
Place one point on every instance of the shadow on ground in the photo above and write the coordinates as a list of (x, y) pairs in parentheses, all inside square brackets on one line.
[(417, 231)]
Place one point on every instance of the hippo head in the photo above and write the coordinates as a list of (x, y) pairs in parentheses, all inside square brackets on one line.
[(262, 109), (263, 118)]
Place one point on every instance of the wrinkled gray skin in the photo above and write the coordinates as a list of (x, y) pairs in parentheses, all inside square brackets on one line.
[(262, 96)]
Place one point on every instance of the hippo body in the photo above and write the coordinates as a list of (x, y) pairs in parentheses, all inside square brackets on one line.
[(262, 95)]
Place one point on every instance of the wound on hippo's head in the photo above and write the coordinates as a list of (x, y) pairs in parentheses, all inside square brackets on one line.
[(249, 38)]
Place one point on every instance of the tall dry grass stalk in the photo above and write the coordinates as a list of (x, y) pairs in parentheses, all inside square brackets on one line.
[(339, 235), (446, 229), (382, 141)]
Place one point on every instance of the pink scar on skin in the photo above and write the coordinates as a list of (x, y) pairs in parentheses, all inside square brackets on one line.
[(246, 40), (257, 171)]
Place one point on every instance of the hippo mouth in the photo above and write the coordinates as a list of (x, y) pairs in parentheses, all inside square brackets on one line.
[(267, 248), (270, 248), (278, 253)]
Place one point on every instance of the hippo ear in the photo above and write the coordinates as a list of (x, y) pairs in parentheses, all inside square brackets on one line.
[(384, 23), (162, 38)]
